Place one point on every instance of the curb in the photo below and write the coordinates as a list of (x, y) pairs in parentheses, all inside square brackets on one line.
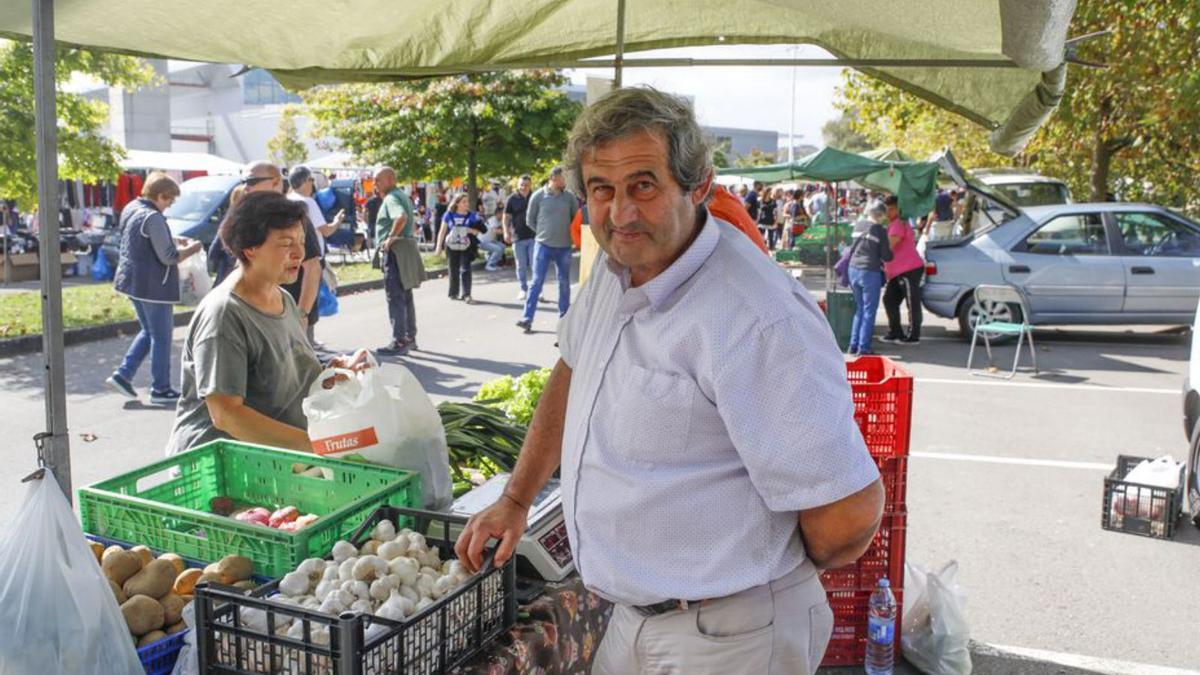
[(32, 344)]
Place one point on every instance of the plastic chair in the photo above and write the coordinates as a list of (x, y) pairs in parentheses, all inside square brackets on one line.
[(988, 328)]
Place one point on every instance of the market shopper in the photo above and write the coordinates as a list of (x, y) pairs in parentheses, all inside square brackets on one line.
[(904, 273), (551, 210), (684, 340), (403, 270), (492, 241), (871, 251), (148, 273), (517, 233), (247, 364), (459, 237)]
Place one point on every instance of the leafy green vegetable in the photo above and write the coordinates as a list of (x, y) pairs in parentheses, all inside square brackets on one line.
[(518, 398), (482, 442)]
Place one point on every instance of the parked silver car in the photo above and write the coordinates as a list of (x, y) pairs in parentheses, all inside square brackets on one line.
[(1107, 263)]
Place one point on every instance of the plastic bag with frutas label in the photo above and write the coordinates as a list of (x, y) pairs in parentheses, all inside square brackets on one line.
[(57, 610), (383, 418), (935, 636), (194, 282)]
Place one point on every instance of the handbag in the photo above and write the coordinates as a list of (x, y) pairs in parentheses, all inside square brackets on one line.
[(842, 268)]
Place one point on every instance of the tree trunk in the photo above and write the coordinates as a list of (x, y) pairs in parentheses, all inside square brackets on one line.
[(473, 169), (1101, 162)]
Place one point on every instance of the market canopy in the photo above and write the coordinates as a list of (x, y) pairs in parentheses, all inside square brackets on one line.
[(913, 183), (179, 161), (999, 63)]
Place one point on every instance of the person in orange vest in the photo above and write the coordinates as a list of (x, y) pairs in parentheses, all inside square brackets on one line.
[(725, 206)]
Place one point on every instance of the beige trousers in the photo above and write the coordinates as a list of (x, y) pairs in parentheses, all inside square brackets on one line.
[(780, 628)]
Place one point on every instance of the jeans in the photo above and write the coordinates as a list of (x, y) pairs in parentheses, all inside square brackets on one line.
[(460, 269), (865, 285), (495, 252), (154, 339), (523, 252), (774, 236), (542, 257), (902, 288), (401, 312)]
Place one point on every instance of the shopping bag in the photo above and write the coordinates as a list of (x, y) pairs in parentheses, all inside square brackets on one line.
[(57, 610), (102, 270), (194, 282), (327, 302), (935, 636), (382, 418)]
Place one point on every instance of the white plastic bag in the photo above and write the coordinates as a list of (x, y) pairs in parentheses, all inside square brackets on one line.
[(401, 428), (194, 282), (935, 636), (57, 611)]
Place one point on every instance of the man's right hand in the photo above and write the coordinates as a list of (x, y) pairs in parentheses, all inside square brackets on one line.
[(505, 520)]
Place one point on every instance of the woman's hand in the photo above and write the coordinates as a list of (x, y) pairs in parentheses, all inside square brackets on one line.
[(356, 362)]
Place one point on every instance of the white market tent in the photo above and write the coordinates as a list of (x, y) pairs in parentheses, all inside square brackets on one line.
[(998, 63), (338, 161), (179, 161)]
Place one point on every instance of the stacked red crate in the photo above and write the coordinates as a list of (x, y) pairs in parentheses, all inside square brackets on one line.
[(882, 392)]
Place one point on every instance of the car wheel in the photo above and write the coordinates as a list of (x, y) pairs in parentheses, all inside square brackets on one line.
[(1191, 487), (969, 312)]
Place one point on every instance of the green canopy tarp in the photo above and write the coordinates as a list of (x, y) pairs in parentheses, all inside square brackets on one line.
[(913, 183), (931, 48)]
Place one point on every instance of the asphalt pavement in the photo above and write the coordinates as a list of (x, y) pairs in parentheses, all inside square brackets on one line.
[(1005, 477)]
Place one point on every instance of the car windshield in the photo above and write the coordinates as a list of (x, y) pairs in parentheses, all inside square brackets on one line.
[(1034, 194), (192, 206)]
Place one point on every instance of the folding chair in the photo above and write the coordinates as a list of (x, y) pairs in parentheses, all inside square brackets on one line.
[(987, 297)]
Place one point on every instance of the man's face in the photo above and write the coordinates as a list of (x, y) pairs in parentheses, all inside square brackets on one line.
[(893, 212), (280, 255), (558, 182), (265, 182), (523, 186), (640, 216), (384, 182)]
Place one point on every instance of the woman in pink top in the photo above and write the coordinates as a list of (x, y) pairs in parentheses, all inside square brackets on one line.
[(903, 273)]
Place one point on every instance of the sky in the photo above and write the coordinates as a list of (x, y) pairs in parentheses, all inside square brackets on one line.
[(757, 97)]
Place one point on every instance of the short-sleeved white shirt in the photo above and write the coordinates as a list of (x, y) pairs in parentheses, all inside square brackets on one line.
[(314, 215), (706, 408)]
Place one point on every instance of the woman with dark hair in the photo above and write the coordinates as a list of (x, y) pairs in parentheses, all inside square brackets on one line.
[(247, 364), (459, 237)]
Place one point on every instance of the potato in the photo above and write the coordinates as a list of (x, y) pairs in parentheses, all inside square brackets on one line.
[(211, 577), (97, 550), (172, 608), (175, 560), (186, 581), (154, 580), (235, 568), (247, 585), (143, 553), (151, 637), (119, 565), (176, 628), (142, 614), (117, 592)]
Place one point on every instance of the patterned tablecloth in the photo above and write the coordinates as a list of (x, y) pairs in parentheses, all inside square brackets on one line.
[(556, 633)]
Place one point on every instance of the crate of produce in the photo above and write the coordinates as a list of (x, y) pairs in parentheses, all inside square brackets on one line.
[(884, 558), (168, 505), (266, 631), (1137, 508), (882, 393), (848, 643)]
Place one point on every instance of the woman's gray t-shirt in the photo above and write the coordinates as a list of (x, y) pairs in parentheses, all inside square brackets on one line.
[(236, 349)]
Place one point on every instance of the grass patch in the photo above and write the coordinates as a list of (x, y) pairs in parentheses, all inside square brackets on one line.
[(99, 304)]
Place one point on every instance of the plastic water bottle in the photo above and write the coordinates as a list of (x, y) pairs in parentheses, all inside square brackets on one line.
[(881, 630)]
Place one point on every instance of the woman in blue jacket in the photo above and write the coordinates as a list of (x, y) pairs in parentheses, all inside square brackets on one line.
[(148, 272)]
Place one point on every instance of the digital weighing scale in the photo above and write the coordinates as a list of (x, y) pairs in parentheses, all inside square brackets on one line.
[(543, 551)]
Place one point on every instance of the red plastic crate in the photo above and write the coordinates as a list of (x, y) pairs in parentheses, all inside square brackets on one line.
[(893, 471), (882, 392), (848, 645), (884, 558)]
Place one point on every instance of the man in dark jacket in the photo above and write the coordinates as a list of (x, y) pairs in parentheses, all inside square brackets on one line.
[(148, 272)]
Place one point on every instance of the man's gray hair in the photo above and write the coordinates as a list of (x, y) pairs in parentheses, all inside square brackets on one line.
[(624, 112), (298, 175), (877, 210)]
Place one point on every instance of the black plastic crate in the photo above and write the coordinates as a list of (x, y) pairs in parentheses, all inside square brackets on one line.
[(436, 640), (1145, 510)]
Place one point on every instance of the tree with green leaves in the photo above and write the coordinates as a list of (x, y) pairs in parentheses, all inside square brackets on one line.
[(83, 153), (755, 157), (285, 147), (490, 124), (1128, 129), (839, 133)]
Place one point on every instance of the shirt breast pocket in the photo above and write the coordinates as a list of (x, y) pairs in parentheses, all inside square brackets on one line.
[(653, 416)]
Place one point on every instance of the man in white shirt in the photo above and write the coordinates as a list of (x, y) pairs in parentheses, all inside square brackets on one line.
[(687, 502), (303, 184)]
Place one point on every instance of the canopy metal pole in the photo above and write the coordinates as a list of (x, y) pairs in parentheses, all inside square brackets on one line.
[(829, 228), (791, 154), (54, 449), (617, 62)]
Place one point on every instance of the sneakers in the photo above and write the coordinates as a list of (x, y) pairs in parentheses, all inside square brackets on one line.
[(393, 348), (522, 295), (910, 341), (121, 386), (491, 268), (168, 397), (469, 300), (892, 339), (542, 298), (527, 326), (410, 343)]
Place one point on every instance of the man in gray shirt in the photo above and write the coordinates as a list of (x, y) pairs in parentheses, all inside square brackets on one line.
[(551, 210)]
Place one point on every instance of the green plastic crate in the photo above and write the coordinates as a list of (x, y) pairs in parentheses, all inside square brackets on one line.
[(166, 505), (840, 308)]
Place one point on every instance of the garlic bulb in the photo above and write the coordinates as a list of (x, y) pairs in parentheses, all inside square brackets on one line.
[(343, 550), (324, 588), (371, 547), (361, 606), (416, 541), (346, 570), (410, 593), (330, 573), (384, 531), (294, 584), (405, 568), (444, 585), (390, 550), (403, 541), (313, 567)]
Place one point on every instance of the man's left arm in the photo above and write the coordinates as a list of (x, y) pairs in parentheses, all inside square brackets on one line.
[(817, 467)]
